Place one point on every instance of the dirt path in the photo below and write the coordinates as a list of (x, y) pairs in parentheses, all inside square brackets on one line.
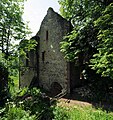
[(71, 103)]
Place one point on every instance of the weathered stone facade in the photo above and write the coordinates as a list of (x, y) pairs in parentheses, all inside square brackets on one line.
[(28, 69), (49, 67)]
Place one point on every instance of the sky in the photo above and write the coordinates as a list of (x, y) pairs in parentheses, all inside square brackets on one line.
[(35, 10)]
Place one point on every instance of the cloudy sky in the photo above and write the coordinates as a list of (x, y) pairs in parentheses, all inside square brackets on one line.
[(35, 10)]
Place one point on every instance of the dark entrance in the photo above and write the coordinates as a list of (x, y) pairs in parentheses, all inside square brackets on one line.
[(55, 89)]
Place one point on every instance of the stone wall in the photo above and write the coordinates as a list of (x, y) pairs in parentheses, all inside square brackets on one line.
[(47, 64), (28, 69), (52, 65)]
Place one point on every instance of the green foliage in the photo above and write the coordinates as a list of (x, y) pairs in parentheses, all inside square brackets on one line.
[(25, 47), (81, 113), (83, 37), (79, 42), (13, 112), (31, 104), (92, 32), (12, 26), (3, 84), (89, 114), (61, 113), (38, 103), (103, 60), (12, 30), (80, 12), (28, 104)]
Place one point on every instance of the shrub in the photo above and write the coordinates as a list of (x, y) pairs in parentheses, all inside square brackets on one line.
[(13, 112), (61, 113), (39, 104)]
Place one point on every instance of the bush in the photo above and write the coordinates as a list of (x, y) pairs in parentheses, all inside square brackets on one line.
[(39, 104), (61, 113), (13, 112), (30, 104)]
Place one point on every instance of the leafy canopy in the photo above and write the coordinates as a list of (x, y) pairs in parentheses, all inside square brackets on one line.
[(103, 60), (91, 36), (13, 30)]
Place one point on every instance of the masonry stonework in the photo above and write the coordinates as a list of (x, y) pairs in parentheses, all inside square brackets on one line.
[(49, 67), (52, 66)]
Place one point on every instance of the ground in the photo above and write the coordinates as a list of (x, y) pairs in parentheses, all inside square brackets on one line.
[(70, 103), (83, 97)]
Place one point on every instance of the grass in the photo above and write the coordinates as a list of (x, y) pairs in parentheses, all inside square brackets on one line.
[(60, 113), (89, 114), (81, 113)]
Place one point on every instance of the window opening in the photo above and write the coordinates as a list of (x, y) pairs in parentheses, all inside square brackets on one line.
[(43, 56), (47, 35)]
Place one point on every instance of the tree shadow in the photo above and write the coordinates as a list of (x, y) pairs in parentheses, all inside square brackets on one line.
[(97, 95)]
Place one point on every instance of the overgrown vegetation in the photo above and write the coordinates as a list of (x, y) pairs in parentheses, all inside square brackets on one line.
[(28, 104), (81, 113), (32, 104), (12, 30), (91, 37), (3, 84), (90, 42), (102, 61)]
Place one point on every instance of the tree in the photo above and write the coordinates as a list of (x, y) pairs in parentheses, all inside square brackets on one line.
[(102, 61), (12, 30), (84, 41), (83, 37), (3, 84)]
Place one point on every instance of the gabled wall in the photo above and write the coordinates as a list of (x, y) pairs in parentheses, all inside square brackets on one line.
[(52, 65), (47, 64)]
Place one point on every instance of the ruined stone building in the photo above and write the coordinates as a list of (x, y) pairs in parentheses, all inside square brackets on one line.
[(47, 67)]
